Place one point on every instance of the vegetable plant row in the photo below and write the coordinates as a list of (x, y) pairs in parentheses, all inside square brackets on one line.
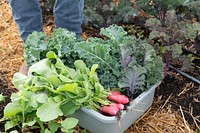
[(65, 73)]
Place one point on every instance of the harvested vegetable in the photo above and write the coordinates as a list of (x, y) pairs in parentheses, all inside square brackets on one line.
[(118, 105), (115, 92), (119, 98), (110, 110), (53, 90)]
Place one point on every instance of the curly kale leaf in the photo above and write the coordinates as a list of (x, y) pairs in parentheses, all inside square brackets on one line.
[(35, 47), (154, 66), (133, 78), (96, 51), (153, 23), (141, 67), (115, 37), (113, 32), (61, 41), (133, 74), (171, 19), (126, 56)]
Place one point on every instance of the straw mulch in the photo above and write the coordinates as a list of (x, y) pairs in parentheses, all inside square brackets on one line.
[(157, 119), (11, 52), (160, 119)]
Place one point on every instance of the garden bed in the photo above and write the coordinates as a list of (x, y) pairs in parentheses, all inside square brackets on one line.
[(165, 113), (181, 92)]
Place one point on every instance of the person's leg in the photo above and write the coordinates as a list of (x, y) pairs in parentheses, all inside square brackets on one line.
[(68, 14), (28, 16)]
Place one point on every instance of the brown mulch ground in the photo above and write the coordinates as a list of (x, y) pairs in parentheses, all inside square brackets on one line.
[(161, 117)]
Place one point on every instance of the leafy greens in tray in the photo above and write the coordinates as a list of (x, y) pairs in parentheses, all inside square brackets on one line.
[(51, 91), (124, 60)]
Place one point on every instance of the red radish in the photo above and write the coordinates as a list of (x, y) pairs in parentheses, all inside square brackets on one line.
[(119, 98), (115, 93), (111, 110), (118, 105)]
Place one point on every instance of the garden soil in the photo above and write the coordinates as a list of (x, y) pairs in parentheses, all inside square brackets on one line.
[(176, 106)]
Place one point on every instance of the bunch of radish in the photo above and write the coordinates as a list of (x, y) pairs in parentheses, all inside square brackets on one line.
[(117, 104)]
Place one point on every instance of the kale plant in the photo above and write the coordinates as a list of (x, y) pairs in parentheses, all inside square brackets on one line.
[(91, 15), (99, 13), (103, 13), (61, 42), (104, 52), (113, 52), (124, 60), (141, 67), (124, 12), (169, 36), (159, 8), (35, 47), (68, 48), (194, 8)]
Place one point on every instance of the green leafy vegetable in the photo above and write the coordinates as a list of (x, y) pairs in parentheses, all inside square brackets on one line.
[(68, 124), (108, 53), (91, 52), (35, 47), (133, 79), (141, 67), (51, 108), (53, 126), (168, 36), (12, 109), (159, 8), (53, 90), (61, 41)]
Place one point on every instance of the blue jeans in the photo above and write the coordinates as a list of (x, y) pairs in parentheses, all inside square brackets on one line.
[(28, 15)]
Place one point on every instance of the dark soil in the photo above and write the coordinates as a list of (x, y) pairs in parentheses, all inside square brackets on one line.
[(196, 69), (183, 93), (6, 91)]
